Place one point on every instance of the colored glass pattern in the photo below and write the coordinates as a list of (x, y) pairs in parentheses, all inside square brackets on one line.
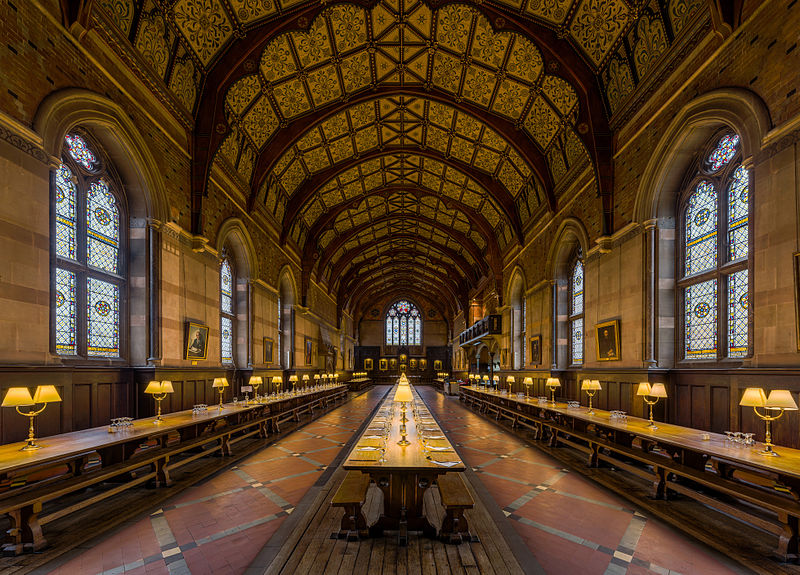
[(80, 151), (403, 324), (524, 334), (65, 213), (226, 286), (724, 152), (701, 229), (577, 288), (103, 318), (102, 234), (226, 339), (701, 320), (738, 301), (738, 214), (577, 340), (66, 341)]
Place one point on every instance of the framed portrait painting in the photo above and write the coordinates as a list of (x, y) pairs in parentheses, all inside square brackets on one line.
[(383, 364), (196, 341), (308, 348), (423, 364), (536, 350), (368, 365), (268, 350), (437, 365), (607, 341)]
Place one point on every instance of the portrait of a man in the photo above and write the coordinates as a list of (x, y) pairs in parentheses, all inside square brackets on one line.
[(607, 337), (196, 341)]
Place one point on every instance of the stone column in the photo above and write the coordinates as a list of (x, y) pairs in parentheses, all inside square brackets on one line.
[(650, 316)]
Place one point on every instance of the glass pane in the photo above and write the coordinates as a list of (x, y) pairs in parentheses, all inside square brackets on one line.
[(395, 331), (102, 235), (701, 229), (103, 315), (738, 300), (577, 288), (65, 213), (724, 152), (577, 340), (226, 287), (403, 330), (80, 152), (417, 331), (738, 212), (226, 339), (388, 331), (65, 312), (701, 320)]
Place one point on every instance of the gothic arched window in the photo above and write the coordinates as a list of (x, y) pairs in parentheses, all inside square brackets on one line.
[(89, 264), (403, 324), (576, 313), (227, 309), (715, 286)]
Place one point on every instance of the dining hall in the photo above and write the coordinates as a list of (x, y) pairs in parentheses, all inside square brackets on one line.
[(400, 287)]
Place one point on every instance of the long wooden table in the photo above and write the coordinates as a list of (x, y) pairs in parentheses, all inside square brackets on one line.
[(673, 458), (403, 473), (142, 453)]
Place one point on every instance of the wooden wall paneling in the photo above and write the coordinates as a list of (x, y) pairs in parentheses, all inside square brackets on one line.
[(82, 406), (683, 401), (699, 406), (720, 408), (102, 413)]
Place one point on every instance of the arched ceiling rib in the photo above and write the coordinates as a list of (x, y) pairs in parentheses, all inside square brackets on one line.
[(402, 271), (405, 285)]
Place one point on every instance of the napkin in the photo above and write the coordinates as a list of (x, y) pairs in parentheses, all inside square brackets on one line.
[(360, 455), (446, 463)]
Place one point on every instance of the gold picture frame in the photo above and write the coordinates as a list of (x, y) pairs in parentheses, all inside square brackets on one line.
[(269, 346), (437, 365), (383, 364), (607, 341), (536, 350), (368, 365), (196, 337)]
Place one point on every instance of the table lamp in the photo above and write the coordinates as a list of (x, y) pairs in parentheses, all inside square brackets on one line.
[(159, 391), (305, 380), (403, 396), (552, 383), (293, 381), (510, 380), (528, 382), (220, 383), (591, 386), (495, 381), (658, 391), (485, 381), (277, 381), (20, 397), (336, 377), (780, 400), (256, 381)]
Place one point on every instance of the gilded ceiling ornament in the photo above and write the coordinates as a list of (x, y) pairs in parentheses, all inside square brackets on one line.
[(650, 45), (597, 25), (121, 11), (204, 24)]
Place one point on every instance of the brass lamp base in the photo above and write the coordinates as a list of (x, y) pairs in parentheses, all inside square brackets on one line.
[(768, 452), (405, 442), (33, 446)]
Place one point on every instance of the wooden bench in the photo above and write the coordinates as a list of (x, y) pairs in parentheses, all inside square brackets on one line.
[(351, 495), (455, 499)]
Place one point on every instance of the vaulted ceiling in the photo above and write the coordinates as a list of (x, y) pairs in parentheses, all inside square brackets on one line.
[(397, 142)]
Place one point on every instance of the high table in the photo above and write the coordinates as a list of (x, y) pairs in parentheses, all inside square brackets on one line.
[(403, 473), (673, 458)]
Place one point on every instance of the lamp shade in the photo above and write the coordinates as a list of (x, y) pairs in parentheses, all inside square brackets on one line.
[(46, 394), (220, 382), (277, 379), (781, 399), (316, 376), (510, 379), (305, 377), (292, 378), (485, 378), (658, 390), (17, 396), (528, 381), (403, 394), (553, 382), (153, 387), (335, 376), (256, 380), (753, 397), (586, 384), (596, 385), (644, 388)]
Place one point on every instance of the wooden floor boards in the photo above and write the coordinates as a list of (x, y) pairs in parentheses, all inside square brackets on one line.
[(310, 549)]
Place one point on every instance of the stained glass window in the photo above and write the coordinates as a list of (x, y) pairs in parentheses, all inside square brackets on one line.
[(403, 324), (716, 284), (89, 289), (701, 320), (102, 235), (226, 337), (65, 313), (103, 318), (701, 229), (524, 333), (576, 312), (227, 310), (738, 212), (80, 152), (738, 300), (66, 226)]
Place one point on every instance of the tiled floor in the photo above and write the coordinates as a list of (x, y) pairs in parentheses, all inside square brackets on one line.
[(571, 525), (219, 525)]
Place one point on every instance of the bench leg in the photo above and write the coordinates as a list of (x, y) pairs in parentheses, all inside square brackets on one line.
[(162, 473), (25, 534), (787, 541), (354, 524), (454, 526)]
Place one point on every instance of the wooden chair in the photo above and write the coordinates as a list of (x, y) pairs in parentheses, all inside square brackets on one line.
[(455, 499), (351, 495)]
